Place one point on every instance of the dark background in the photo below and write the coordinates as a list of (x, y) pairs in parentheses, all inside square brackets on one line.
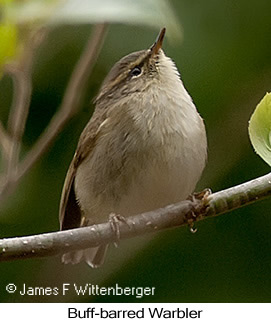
[(225, 64)]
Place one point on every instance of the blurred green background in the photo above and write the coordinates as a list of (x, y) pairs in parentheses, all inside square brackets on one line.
[(225, 63)]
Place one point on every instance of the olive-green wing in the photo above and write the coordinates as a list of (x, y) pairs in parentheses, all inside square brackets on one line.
[(69, 210)]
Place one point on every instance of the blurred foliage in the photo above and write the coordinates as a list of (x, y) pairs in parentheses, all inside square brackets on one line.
[(22, 17), (260, 129), (56, 12), (225, 64), (8, 35)]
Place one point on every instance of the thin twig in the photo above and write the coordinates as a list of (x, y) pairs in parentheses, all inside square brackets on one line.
[(179, 214), (4, 142), (69, 107), (18, 114), (72, 98), (21, 74)]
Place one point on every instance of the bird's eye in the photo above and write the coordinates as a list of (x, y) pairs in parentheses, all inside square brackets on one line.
[(136, 71)]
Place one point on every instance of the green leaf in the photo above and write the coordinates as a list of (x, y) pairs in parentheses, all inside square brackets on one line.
[(260, 129), (21, 17), (153, 13), (32, 12)]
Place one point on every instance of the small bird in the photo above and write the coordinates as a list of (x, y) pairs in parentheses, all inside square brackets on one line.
[(144, 147)]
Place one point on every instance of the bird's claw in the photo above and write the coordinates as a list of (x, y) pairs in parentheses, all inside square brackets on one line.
[(198, 209), (114, 220)]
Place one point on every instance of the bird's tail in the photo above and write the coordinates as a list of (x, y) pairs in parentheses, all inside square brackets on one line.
[(94, 257)]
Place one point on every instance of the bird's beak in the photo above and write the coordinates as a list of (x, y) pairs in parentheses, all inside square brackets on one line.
[(158, 43)]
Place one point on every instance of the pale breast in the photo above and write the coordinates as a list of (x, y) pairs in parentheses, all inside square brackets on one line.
[(144, 160)]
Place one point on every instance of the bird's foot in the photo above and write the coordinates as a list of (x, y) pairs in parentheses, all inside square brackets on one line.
[(84, 222), (202, 196), (114, 220), (199, 208)]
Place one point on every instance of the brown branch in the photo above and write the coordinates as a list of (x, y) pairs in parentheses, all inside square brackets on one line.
[(69, 107), (21, 74), (20, 71), (179, 214), (22, 80), (18, 114), (4, 142), (50, 244), (71, 101)]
